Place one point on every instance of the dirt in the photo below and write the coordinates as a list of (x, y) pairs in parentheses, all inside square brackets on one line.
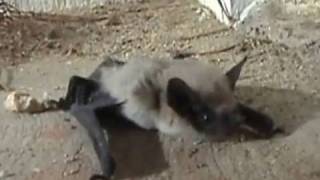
[(281, 78)]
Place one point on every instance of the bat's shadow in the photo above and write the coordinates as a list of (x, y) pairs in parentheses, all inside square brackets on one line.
[(138, 153)]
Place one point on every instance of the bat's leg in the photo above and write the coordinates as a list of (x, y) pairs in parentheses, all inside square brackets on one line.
[(259, 122), (74, 83)]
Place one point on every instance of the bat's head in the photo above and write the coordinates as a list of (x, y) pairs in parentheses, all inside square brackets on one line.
[(215, 112)]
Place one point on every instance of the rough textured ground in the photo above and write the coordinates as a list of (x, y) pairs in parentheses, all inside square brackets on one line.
[(281, 78)]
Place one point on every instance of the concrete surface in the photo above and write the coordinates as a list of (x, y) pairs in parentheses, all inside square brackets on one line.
[(281, 78)]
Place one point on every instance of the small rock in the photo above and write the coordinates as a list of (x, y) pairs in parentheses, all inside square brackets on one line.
[(71, 159), (36, 170), (193, 152), (45, 95), (180, 54), (198, 142), (5, 174), (202, 165), (58, 88), (2, 173), (72, 171), (71, 51), (22, 102), (198, 10)]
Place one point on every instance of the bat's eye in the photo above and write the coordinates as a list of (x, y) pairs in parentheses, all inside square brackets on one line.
[(205, 117)]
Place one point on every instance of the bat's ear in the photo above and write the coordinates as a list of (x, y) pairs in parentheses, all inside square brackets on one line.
[(180, 96), (234, 73)]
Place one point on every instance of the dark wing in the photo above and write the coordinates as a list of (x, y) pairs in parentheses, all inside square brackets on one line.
[(86, 116), (77, 101)]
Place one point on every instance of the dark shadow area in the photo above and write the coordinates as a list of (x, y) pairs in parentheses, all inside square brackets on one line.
[(289, 109), (137, 152)]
